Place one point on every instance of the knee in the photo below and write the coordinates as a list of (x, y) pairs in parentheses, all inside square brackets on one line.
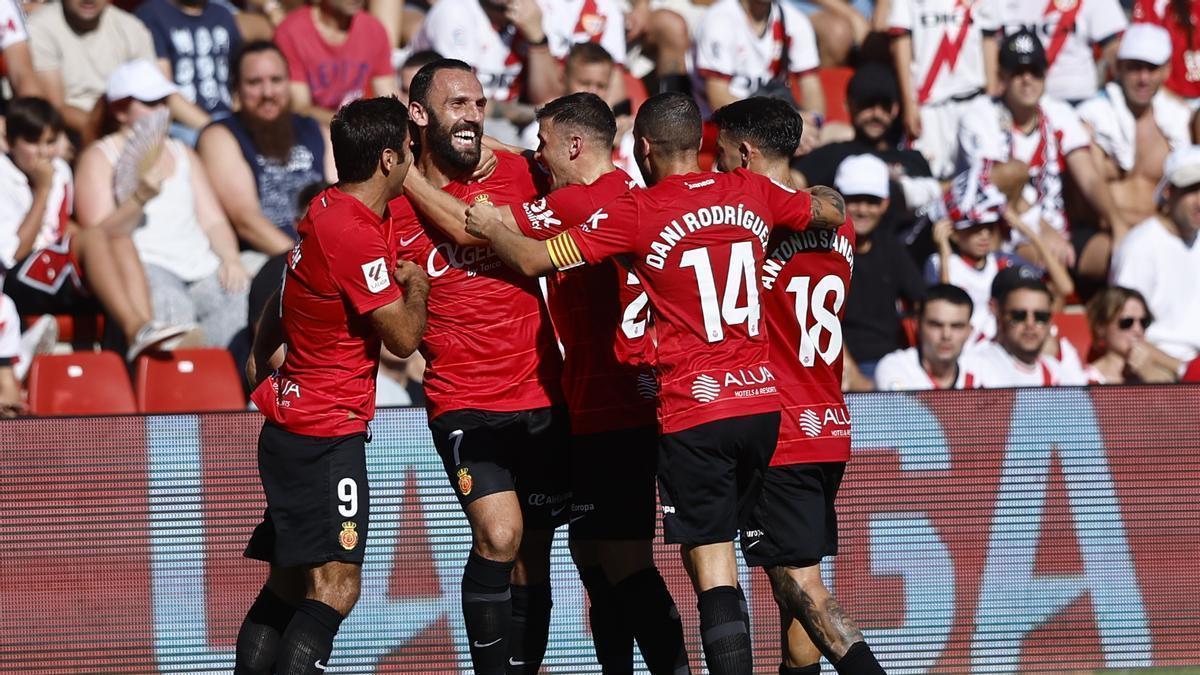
[(498, 541), (669, 31), (337, 585), (835, 39)]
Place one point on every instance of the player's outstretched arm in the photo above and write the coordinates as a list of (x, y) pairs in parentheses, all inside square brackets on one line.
[(527, 256), (444, 210), (401, 323), (828, 208)]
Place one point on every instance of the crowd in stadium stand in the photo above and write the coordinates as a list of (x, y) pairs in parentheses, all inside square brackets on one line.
[(1021, 174)]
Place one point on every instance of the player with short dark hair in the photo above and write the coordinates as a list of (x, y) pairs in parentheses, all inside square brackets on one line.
[(696, 240), (492, 378), (344, 293), (609, 387), (806, 279)]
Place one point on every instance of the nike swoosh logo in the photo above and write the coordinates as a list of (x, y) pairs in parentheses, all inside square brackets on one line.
[(754, 543), (515, 663), (575, 518), (481, 645), (318, 665), (406, 242), (555, 511)]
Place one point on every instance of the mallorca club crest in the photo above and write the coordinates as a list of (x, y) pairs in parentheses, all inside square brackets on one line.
[(349, 536), (465, 482)]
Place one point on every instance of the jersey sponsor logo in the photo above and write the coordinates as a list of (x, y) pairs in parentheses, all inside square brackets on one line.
[(474, 259), (647, 386), (694, 221), (593, 221), (813, 423), (349, 535), (542, 499), (706, 389), (375, 272), (752, 381), (540, 216), (465, 481), (703, 183)]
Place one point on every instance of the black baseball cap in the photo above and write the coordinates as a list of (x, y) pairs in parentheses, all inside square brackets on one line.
[(1021, 275), (1022, 50), (873, 82)]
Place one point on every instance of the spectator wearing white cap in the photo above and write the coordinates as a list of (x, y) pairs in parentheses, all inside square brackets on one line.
[(155, 189), (1135, 123), (1161, 259), (884, 274)]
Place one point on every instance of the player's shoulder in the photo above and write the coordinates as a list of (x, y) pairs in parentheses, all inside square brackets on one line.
[(1058, 112)]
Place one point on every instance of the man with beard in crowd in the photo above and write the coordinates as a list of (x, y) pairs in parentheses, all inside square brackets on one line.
[(492, 380), (260, 158)]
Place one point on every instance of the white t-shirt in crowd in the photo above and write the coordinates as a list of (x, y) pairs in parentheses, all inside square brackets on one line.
[(996, 368), (16, 198), (901, 371), (986, 132), (1069, 29), (569, 22), (10, 330), (459, 29), (12, 24), (1152, 260), (947, 43), (726, 47)]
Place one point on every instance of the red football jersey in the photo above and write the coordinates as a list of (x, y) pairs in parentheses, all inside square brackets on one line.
[(1184, 78), (489, 343), (698, 242), (338, 273), (600, 317), (806, 280)]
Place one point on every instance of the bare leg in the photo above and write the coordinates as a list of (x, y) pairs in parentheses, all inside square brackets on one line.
[(802, 594), (93, 250), (130, 266)]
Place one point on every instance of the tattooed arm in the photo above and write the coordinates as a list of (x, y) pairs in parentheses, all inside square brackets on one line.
[(828, 208)]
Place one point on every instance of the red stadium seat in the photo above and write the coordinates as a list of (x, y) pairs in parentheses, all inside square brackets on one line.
[(1074, 327), (76, 329), (188, 380), (83, 383)]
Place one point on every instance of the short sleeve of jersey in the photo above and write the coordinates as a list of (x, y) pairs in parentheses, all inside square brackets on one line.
[(900, 17), (715, 49), (1066, 121), (10, 330), (12, 24), (1105, 18), (610, 230), (556, 212), (791, 209), (986, 15), (802, 47), (361, 268), (979, 135)]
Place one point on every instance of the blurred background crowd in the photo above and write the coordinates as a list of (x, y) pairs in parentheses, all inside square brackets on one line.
[(1021, 174)]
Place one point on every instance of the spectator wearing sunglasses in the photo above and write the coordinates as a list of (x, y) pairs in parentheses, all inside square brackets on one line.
[(1161, 259), (1119, 319), (1018, 356)]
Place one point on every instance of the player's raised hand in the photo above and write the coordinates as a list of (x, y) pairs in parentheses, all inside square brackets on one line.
[(410, 276), (482, 217), (527, 17), (487, 164)]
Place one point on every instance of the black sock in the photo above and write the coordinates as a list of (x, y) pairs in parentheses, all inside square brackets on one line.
[(530, 627), (859, 661), (258, 638), (487, 612), (307, 643), (810, 669), (724, 633), (647, 606), (611, 634), (745, 606)]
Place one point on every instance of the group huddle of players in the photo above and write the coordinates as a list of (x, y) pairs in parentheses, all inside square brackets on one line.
[(700, 360)]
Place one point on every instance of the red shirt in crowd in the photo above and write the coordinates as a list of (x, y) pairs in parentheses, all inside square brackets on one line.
[(339, 272), (806, 280), (1184, 79), (489, 344), (698, 242), (599, 314), (335, 74)]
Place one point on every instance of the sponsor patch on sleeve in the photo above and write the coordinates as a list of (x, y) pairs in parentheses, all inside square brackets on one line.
[(376, 274)]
